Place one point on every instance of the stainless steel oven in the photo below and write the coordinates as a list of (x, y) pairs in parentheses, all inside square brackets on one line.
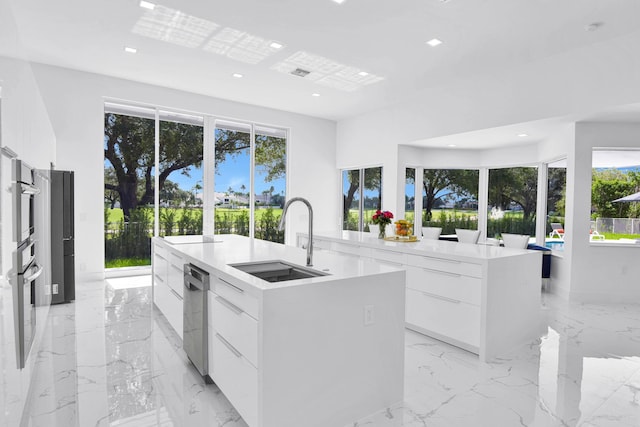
[(27, 271), (24, 304), (24, 192)]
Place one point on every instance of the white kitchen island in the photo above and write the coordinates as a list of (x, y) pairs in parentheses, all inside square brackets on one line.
[(314, 352), (485, 299)]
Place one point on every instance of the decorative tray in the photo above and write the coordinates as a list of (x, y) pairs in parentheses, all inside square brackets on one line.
[(401, 239)]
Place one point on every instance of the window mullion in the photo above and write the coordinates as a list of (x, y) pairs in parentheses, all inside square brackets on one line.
[(252, 193)]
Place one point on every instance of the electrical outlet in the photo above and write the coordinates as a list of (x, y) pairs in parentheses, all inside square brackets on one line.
[(368, 315), (55, 289)]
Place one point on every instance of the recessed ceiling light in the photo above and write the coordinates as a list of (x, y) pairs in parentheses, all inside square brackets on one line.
[(522, 135), (276, 45), (434, 42), (339, 1), (238, 75), (315, 94), (130, 49), (147, 5), (363, 73), (451, 145)]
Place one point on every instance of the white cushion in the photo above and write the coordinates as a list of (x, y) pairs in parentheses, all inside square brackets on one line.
[(431, 232), (519, 241), (467, 236)]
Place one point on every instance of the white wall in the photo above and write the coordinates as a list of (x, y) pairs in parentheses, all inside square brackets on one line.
[(26, 129), (75, 103), (608, 274)]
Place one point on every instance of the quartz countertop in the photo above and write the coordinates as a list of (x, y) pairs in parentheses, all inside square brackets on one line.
[(225, 249), (434, 248)]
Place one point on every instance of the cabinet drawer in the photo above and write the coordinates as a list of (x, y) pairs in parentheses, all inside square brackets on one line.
[(170, 304), (236, 377), (160, 267), (176, 278), (450, 319), (236, 294), (443, 264), (390, 257), (160, 251), (345, 248), (450, 285), (235, 326)]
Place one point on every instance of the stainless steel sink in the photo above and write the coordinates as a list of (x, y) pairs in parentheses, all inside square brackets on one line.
[(277, 271)]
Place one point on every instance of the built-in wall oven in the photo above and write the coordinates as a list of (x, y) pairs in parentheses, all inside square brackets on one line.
[(26, 268)]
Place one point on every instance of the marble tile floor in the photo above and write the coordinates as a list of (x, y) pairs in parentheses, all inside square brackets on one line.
[(111, 359)]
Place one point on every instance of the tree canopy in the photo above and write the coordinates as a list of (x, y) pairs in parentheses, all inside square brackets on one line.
[(440, 183)]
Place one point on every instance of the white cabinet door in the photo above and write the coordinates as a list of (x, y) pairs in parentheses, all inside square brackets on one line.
[(448, 318), (450, 285), (236, 377), (170, 304), (235, 326)]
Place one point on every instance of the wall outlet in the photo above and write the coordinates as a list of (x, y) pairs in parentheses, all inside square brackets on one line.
[(55, 289), (368, 315)]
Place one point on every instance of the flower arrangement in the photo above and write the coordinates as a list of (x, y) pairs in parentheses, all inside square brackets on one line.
[(382, 219)]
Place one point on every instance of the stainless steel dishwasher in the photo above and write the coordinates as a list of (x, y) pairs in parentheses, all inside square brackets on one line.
[(195, 309)]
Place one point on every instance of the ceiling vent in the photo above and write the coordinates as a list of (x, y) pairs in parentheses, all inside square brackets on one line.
[(300, 72)]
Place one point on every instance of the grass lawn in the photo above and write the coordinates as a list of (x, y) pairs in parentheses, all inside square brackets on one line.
[(127, 262), (617, 236)]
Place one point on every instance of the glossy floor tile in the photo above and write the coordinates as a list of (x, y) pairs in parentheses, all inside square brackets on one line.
[(112, 360)]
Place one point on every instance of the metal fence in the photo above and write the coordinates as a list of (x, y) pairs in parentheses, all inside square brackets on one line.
[(618, 225)]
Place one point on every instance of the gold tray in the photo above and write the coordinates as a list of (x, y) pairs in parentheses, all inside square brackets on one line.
[(401, 239)]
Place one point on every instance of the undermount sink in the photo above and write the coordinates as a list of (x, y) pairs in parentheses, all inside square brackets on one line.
[(277, 271)]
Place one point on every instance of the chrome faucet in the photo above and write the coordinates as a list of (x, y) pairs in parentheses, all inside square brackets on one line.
[(281, 225)]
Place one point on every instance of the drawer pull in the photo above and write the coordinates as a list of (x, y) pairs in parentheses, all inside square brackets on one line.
[(234, 287), (228, 345), (396, 264), (455, 301), (444, 273), (179, 268), (229, 305), (450, 261), (177, 295), (160, 256), (158, 278)]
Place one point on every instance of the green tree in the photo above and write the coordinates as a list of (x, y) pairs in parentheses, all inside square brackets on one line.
[(606, 186), (129, 146), (514, 185), (438, 183)]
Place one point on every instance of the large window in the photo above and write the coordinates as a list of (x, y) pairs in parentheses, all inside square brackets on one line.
[(249, 185), (556, 202), (450, 199), (269, 182), (362, 196), (409, 194), (615, 204), (513, 196), (180, 176), (235, 207), (129, 147)]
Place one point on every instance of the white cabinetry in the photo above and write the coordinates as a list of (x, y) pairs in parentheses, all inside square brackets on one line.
[(483, 299), (233, 345), (273, 345), (168, 284)]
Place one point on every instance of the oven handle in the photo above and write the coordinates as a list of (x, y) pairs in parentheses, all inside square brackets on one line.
[(29, 189), (34, 275)]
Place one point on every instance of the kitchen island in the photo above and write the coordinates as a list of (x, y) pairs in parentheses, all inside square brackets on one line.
[(321, 351), (485, 299)]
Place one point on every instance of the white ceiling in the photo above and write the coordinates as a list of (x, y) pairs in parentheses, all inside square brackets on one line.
[(196, 45)]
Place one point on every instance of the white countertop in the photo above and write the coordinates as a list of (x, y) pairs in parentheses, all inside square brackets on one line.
[(231, 249), (434, 248)]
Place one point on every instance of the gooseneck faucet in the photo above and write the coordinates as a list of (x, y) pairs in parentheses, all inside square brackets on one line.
[(281, 225)]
